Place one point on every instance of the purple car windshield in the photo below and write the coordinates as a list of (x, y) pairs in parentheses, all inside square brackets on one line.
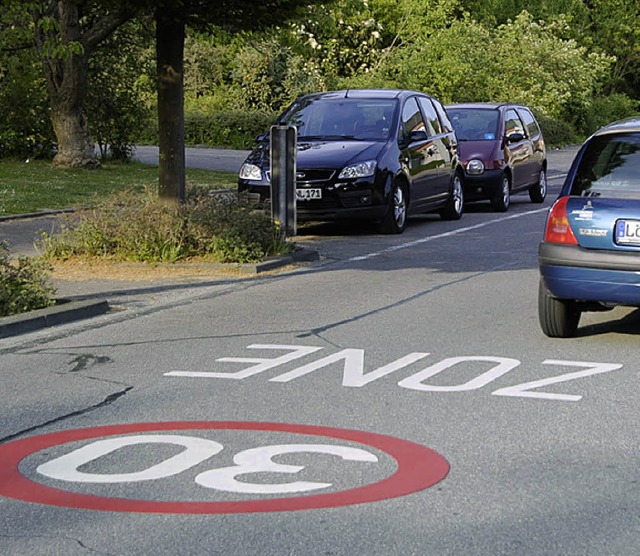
[(474, 124)]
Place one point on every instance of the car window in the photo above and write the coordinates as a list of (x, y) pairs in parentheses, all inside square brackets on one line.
[(513, 123), (447, 126), (369, 119), (430, 115), (530, 123), (475, 124), (610, 167), (411, 119)]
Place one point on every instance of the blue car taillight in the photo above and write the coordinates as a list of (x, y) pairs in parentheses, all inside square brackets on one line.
[(558, 229)]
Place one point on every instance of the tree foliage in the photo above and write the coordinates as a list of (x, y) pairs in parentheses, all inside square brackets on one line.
[(120, 82), (571, 60)]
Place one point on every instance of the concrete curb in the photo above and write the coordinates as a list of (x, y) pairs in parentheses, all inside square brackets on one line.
[(63, 312), (272, 263), (27, 215)]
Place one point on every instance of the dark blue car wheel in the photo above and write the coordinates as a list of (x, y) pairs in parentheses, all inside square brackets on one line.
[(455, 205), (395, 221)]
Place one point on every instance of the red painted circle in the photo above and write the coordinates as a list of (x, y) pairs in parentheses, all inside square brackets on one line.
[(418, 468)]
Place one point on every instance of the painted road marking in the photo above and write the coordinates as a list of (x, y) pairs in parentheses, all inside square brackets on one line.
[(443, 235), (489, 368), (418, 467)]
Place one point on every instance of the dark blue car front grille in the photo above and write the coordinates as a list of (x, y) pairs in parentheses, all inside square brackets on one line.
[(314, 175)]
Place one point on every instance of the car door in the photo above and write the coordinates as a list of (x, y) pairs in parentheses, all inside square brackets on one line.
[(444, 138), (518, 149), (419, 156), (534, 134)]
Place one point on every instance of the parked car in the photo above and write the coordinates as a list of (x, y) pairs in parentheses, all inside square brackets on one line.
[(502, 151), (378, 155), (589, 258)]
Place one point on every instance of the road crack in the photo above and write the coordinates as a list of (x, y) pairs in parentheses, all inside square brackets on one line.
[(107, 401)]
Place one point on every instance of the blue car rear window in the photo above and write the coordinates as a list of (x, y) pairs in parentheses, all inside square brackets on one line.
[(610, 167)]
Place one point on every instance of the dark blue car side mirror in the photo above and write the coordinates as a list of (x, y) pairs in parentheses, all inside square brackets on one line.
[(418, 135)]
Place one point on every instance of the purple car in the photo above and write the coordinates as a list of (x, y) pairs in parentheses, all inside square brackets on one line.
[(502, 152), (589, 258)]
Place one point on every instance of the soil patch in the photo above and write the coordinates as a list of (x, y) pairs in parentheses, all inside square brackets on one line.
[(78, 270)]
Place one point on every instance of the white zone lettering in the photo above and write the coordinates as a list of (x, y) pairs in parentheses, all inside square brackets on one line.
[(354, 375), (197, 450), (524, 390), (260, 366), (503, 365)]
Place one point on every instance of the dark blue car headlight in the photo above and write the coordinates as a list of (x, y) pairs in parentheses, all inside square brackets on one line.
[(358, 170), (250, 172)]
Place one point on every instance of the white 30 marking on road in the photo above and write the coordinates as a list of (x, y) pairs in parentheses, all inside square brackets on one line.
[(197, 450), (354, 375)]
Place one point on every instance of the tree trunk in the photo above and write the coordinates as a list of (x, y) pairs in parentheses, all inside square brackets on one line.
[(67, 86), (75, 148), (170, 34)]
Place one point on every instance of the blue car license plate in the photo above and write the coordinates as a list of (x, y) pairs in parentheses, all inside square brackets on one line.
[(628, 232)]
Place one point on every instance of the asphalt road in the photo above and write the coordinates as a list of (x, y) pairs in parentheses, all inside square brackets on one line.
[(228, 160), (396, 397)]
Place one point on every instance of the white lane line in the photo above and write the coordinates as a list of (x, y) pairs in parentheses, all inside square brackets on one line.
[(445, 234)]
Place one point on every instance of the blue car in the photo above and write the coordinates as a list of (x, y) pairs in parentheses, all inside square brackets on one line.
[(589, 258)]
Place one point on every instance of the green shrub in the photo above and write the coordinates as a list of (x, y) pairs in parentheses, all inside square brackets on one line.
[(557, 133), (134, 227), (236, 231), (23, 284), (608, 109), (236, 129)]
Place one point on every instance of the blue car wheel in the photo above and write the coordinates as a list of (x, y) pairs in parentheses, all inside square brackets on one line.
[(558, 317)]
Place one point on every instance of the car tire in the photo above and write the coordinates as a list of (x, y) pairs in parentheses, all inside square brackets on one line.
[(455, 205), (538, 192), (502, 197), (395, 221), (558, 317)]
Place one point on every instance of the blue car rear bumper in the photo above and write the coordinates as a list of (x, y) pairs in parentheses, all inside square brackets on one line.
[(573, 273)]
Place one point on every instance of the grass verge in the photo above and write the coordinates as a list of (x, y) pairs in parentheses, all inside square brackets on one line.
[(33, 186)]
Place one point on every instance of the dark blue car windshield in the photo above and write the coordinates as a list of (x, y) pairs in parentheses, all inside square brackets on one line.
[(610, 167), (335, 119)]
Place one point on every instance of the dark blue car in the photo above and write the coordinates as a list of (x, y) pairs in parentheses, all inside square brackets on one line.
[(377, 155), (589, 258)]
